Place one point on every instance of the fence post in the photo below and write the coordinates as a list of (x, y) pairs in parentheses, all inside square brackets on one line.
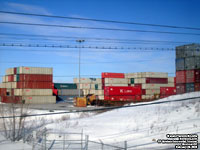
[(125, 145), (86, 142)]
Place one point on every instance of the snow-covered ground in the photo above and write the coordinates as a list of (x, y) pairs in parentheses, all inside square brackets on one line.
[(140, 126)]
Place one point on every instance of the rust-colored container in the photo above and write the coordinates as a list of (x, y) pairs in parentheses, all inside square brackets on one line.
[(34, 85), (11, 99), (112, 75), (10, 78), (15, 70), (35, 77), (197, 86), (2, 91), (180, 88), (181, 76), (157, 80)]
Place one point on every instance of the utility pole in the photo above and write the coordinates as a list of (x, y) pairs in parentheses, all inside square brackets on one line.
[(79, 62)]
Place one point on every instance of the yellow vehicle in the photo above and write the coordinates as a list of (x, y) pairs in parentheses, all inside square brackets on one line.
[(90, 99)]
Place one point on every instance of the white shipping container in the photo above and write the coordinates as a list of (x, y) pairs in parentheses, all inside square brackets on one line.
[(14, 85), (2, 85), (86, 92), (33, 92), (99, 86), (170, 79), (131, 75), (99, 92), (140, 80), (4, 79), (115, 81), (152, 91), (8, 85), (35, 70), (39, 99), (148, 97), (88, 80), (100, 97), (15, 78), (116, 84), (10, 71), (154, 75)]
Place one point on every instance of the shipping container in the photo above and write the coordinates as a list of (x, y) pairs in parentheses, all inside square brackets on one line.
[(171, 79), (152, 91), (33, 85), (65, 86), (166, 91), (181, 76), (197, 62), (140, 80), (116, 85), (197, 86), (180, 51), (11, 99), (122, 91), (180, 64), (154, 75), (33, 92), (133, 75), (190, 63), (88, 80), (157, 80), (2, 91), (112, 75), (150, 97), (10, 71), (190, 76), (70, 92), (99, 92), (190, 87), (123, 98), (39, 99), (180, 88), (34, 77), (34, 70), (10, 78), (115, 81), (156, 86), (100, 97)]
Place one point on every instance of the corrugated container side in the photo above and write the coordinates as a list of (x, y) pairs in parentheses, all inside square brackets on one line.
[(88, 80), (39, 99), (156, 86), (180, 64), (33, 92), (190, 87), (100, 97), (70, 92), (34, 85), (2, 91), (152, 92), (131, 75), (4, 79), (190, 76), (11, 99), (181, 76), (112, 75), (157, 80), (167, 91), (180, 88), (35, 77), (197, 86), (155, 75), (197, 76), (99, 92), (123, 98), (171, 79), (190, 63), (140, 80), (35, 70), (10, 71), (197, 62), (65, 86), (116, 81), (125, 85)]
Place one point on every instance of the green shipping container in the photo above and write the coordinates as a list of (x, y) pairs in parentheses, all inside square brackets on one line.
[(17, 77), (132, 80), (65, 86), (17, 70), (96, 86)]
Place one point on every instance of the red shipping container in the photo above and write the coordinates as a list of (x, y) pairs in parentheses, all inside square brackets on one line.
[(2, 91), (55, 92), (112, 75), (180, 88), (10, 78), (197, 86), (123, 98), (35, 77), (157, 80), (11, 99), (34, 85), (181, 76), (197, 76), (15, 70), (190, 76), (167, 91), (122, 91)]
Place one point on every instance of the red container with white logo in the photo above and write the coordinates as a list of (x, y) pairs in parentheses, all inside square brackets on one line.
[(112, 75), (35, 77), (34, 85), (181, 76), (123, 98), (180, 88), (157, 80), (167, 91), (122, 91), (197, 86)]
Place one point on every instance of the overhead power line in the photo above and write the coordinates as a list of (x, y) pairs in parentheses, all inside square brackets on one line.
[(91, 38), (96, 28), (100, 109), (101, 20), (88, 47)]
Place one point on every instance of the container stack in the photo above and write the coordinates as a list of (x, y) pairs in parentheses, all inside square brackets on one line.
[(154, 85), (188, 68), (90, 86), (66, 91), (29, 85), (118, 88)]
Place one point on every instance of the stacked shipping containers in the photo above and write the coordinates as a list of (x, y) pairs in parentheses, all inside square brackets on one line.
[(188, 68), (66, 91), (91, 86), (29, 85)]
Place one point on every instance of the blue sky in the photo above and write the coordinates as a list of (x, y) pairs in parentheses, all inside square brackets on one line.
[(64, 61)]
